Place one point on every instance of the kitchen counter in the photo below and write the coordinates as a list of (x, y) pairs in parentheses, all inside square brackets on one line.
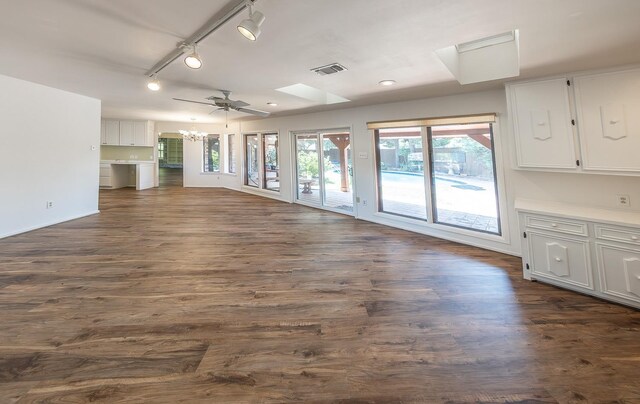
[(126, 173)]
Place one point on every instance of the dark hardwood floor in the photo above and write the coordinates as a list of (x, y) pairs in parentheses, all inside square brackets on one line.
[(210, 295)]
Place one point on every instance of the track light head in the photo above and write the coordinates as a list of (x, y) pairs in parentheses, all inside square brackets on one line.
[(153, 84), (193, 61), (250, 27)]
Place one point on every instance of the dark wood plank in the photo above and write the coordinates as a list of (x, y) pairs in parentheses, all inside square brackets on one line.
[(210, 295)]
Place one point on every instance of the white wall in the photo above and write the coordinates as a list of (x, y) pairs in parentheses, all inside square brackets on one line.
[(46, 141), (581, 189)]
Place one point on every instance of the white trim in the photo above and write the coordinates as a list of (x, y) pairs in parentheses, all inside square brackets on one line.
[(449, 233), (47, 224)]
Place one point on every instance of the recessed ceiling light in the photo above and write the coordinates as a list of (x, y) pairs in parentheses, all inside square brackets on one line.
[(273, 104), (387, 82)]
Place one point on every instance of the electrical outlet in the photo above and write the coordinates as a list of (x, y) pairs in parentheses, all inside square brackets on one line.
[(49, 204), (623, 200), (364, 202)]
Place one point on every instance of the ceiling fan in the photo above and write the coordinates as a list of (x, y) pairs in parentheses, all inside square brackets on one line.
[(226, 104)]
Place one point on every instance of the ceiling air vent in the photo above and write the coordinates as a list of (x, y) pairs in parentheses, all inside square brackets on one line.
[(329, 69)]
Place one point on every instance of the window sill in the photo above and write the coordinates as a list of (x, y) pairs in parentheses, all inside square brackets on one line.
[(417, 224)]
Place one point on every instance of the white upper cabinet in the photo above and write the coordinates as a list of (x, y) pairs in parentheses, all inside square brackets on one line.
[(140, 134), (606, 135), (126, 133), (112, 132), (608, 107), (541, 116)]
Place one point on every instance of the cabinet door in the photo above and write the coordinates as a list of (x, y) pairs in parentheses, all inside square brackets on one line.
[(541, 117), (112, 132), (559, 258), (140, 133), (609, 120), (126, 133), (619, 271)]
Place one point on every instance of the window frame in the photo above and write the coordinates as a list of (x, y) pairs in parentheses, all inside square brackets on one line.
[(261, 180), (229, 154), (205, 152), (434, 204), (425, 124)]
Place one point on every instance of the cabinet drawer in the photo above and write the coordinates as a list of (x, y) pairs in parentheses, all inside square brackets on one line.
[(621, 234), (619, 271), (559, 225), (560, 258)]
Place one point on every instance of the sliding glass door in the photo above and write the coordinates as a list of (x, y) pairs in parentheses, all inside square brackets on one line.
[(324, 172)]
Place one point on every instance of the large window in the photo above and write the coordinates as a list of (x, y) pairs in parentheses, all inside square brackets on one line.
[(211, 154), (442, 172), (261, 168), (401, 181), (463, 180)]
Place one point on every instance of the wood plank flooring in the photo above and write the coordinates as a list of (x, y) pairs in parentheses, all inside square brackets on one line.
[(214, 296)]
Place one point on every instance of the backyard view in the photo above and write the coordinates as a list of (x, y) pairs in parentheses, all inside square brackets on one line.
[(462, 175), (329, 183)]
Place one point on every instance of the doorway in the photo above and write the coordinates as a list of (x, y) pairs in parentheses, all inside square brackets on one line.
[(170, 160), (324, 173)]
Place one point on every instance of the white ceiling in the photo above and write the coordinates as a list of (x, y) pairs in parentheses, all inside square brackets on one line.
[(102, 48)]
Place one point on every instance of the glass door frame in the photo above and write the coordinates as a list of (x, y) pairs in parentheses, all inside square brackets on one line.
[(319, 136)]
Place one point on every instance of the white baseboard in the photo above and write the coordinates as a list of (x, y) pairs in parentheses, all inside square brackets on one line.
[(47, 224)]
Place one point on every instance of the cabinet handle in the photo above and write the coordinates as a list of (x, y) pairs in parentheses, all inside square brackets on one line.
[(558, 259)]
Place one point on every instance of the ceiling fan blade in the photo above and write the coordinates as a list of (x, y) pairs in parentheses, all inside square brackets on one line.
[(216, 99), (253, 112), (215, 110), (239, 104), (196, 102)]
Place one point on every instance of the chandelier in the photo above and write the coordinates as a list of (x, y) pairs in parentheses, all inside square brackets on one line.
[(193, 135)]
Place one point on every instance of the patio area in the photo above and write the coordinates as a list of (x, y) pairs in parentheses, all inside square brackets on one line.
[(462, 201)]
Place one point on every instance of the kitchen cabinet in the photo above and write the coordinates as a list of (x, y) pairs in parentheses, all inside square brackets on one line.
[(127, 133), (593, 251), (608, 112), (586, 123), (541, 117), (112, 132)]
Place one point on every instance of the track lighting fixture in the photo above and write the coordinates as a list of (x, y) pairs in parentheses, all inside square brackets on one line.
[(193, 61), (153, 84), (250, 27)]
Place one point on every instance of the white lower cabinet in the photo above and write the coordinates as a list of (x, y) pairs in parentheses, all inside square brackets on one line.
[(561, 259), (620, 271), (593, 251)]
